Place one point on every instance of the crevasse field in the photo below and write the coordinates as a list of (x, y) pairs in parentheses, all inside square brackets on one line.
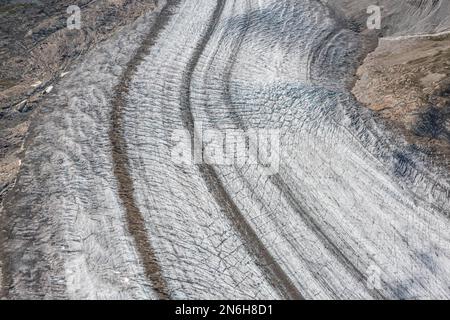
[(345, 210)]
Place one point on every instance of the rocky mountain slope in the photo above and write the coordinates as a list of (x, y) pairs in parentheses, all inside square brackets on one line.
[(37, 48)]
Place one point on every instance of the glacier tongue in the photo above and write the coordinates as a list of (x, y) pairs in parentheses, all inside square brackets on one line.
[(345, 214)]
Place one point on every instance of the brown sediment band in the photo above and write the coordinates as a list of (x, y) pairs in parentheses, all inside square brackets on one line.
[(135, 220)]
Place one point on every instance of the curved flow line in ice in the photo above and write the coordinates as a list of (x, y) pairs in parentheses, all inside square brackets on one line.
[(275, 274), (279, 182)]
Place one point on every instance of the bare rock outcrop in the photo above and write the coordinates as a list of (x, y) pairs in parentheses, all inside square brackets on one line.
[(406, 79)]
